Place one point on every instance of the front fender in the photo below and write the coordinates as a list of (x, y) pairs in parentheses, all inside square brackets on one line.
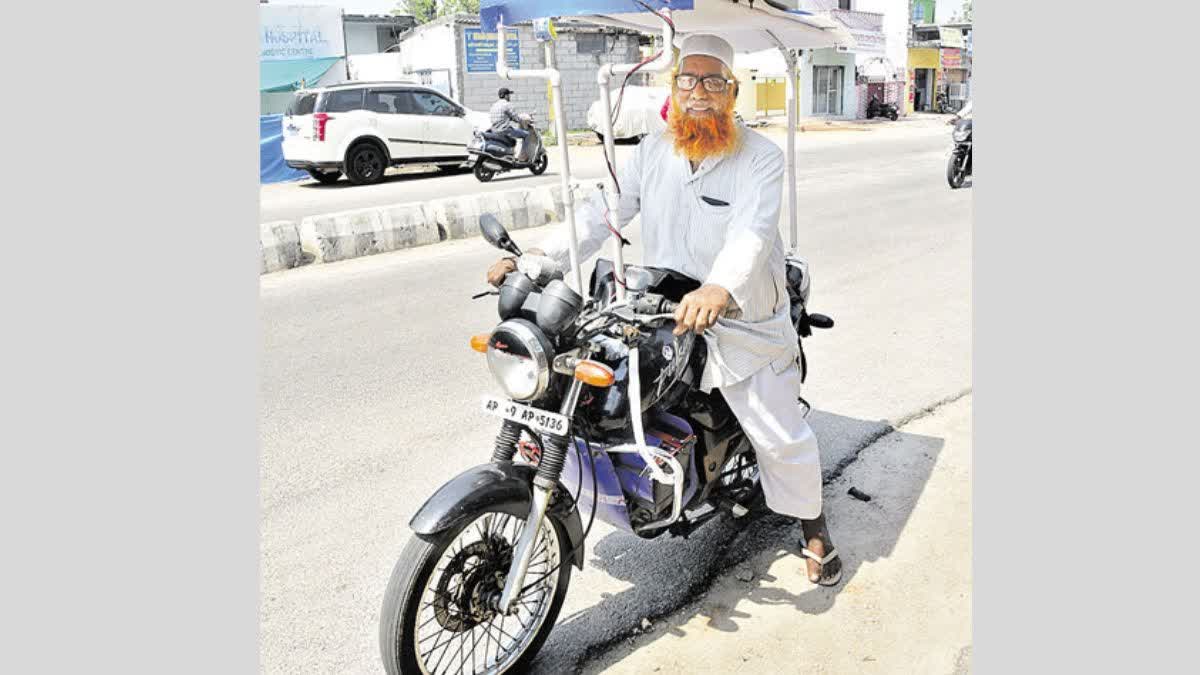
[(502, 486)]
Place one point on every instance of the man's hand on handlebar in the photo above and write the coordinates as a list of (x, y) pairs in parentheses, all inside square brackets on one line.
[(497, 272), (701, 308)]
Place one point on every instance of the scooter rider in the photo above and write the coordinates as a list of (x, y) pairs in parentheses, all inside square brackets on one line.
[(505, 119)]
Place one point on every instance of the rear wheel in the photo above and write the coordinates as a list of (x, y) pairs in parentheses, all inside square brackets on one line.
[(483, 174), (739, 479), (365, 164), (438, 614), (325, 177)]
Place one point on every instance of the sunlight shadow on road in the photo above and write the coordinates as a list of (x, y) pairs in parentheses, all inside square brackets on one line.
[(672, 575)]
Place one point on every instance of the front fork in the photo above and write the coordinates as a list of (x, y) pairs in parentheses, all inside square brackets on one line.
[(550, 465)]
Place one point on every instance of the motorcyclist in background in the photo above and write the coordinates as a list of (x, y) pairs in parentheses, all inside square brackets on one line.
[(505, 120)]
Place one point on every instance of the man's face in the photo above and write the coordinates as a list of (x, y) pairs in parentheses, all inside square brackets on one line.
[(701, 121), (699, 102)]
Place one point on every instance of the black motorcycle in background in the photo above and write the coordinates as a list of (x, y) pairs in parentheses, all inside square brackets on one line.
[(877, 108), (959, 166)]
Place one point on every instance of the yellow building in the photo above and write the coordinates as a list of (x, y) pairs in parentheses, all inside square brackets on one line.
[(924, 77)]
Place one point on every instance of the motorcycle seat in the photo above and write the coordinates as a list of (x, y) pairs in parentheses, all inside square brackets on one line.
[(499, 137)]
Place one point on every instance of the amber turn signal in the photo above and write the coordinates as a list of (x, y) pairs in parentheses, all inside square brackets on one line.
[(479, 342), (593, 373)]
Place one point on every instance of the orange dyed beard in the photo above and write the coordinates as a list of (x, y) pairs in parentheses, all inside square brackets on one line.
[(701, 136)]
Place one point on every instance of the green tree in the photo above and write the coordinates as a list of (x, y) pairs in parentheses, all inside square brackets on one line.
[(459, 6), (423, 11)]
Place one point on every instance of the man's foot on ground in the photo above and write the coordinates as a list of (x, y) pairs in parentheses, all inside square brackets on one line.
[(824, 565)]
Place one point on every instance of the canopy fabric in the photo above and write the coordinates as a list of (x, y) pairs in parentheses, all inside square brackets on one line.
[(287, 75), (748, 29)]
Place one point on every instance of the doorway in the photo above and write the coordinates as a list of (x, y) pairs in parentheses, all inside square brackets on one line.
[(923, 89), (827, 89)]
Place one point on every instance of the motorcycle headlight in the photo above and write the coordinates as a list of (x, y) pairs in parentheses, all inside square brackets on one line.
[(961, 133), (519, 356)]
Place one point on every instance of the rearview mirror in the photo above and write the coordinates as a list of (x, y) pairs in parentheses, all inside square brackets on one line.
[(496, 235)]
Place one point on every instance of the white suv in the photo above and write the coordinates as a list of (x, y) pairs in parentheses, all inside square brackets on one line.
[(361, 128)]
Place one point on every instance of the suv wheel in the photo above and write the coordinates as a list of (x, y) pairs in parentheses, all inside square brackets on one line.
[(365, 164)]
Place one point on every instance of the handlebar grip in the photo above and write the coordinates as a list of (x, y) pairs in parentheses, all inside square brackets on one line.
[(667, 306)]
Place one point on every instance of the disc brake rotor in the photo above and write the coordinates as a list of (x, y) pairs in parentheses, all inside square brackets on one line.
[(464, 592)]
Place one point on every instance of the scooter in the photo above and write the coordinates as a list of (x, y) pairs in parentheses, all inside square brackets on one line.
[(493, 152), (877, 108)]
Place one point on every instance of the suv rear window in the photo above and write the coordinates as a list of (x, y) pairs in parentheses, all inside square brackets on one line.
[(301, 104), (342, 100)]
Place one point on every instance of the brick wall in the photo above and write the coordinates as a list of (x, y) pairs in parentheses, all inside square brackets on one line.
[(529, 95)]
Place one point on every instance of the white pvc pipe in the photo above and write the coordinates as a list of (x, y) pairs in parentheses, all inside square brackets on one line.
[(603, 77), (560, 130), (792, 115)]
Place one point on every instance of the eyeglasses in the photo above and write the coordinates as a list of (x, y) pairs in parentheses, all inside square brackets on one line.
[(712, 83)]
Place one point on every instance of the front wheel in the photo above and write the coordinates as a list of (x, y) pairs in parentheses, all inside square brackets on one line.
[(540, 164), (438, 614), (483, 174), (956, 169)]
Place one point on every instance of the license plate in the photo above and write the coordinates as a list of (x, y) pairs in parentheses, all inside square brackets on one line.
[(538, 420)]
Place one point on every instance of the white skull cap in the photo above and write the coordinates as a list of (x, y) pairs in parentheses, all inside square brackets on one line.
[(701, 44)]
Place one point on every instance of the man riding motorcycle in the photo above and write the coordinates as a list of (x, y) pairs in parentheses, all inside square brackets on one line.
[(709, 192), (505, 120)]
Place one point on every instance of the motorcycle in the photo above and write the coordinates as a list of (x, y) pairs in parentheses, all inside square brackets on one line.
[(877, 108), (493, 152), (959, 166), (601, 406)]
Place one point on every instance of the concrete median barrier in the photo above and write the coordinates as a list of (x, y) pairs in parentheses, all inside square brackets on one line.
[(362, 232), (280, 245), (353, 234)]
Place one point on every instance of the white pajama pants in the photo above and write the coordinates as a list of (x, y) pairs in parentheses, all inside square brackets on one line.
[(789, 464)]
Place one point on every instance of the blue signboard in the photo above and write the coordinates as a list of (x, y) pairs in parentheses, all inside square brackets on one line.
[(516, 11), (481, 50)]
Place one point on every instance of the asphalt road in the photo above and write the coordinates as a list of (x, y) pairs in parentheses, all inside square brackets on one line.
[(296, 200), (369, 402)]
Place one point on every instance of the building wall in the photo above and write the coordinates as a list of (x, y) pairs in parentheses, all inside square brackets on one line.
[(362, 38), (441, 44), (828, 57), (895, 29), (431, 47)]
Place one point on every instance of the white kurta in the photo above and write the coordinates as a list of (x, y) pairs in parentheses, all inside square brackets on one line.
[(751, 359)]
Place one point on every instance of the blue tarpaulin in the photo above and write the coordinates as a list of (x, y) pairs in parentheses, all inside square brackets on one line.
[(271, 168)]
